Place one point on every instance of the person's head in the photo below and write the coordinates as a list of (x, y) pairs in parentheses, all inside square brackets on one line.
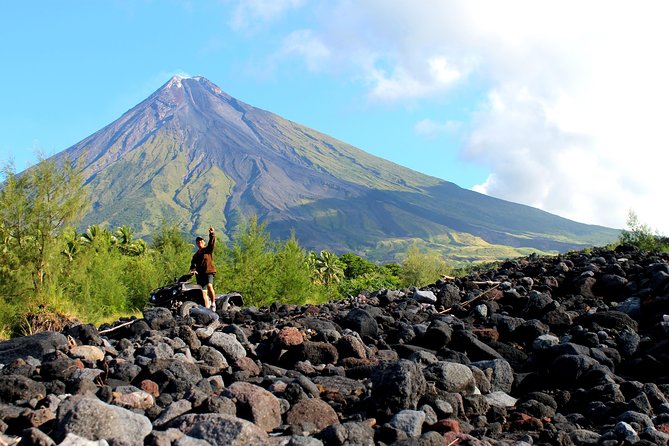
[(199, 242)]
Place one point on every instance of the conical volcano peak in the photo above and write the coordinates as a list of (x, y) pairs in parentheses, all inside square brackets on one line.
[(194, 154), (175, 82)]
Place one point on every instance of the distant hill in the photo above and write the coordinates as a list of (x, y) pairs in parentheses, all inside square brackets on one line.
[(193, 155)]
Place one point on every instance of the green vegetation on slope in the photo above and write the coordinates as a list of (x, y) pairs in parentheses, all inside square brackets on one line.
[(48, 270)]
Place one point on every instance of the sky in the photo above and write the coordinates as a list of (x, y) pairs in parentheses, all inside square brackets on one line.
[(558, 105)]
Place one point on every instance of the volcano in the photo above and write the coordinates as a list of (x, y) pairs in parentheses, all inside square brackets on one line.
[(194, 156)]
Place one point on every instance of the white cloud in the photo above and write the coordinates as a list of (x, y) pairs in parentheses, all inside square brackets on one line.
[(436, 75), (305, 44), (431, 129), (249, 14), (574, 117)]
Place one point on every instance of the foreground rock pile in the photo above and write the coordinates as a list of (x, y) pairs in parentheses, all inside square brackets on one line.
[(563, 350)]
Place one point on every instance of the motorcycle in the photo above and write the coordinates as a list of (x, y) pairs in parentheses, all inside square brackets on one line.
[(182, 295)]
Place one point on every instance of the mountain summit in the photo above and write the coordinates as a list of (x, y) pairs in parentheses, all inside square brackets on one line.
[(193, 155)]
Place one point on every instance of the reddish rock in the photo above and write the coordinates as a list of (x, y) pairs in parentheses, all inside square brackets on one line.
[(289, 337), (486, 334), (523, 422), (261, 407), (133, 400), (356, 362), (311, 415), (351, 347), (447, 425), (247, 364), (150, 387), (495, 294)]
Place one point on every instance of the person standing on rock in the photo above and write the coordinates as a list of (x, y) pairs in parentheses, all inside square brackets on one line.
[(202, 265)]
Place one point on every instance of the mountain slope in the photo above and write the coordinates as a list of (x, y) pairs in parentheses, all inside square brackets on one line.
[(193, 155)]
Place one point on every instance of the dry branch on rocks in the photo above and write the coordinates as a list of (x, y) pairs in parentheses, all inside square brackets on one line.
[(572, 349)]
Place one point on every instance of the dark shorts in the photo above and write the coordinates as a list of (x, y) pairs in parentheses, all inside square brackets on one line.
[(204, 279)]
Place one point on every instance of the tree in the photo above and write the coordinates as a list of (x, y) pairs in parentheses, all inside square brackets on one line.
[(171, 251), (35, 207), (124, 242), (641, 235), (328, 269), (251, 264), (419, 269), (97, 237), (356, 266), (293, 281)]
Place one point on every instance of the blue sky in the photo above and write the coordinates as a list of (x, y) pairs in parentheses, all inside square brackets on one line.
[(558, 105)]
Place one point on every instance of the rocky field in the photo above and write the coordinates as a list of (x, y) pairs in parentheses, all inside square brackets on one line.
[(560, 350)]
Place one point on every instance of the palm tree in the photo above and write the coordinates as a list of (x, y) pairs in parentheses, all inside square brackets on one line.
[(328, 269), (72, 243), (98, 237), (123, 235), (125, 243)]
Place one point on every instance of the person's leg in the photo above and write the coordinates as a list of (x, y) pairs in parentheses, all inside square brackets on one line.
[(202, 281), (210, 289)]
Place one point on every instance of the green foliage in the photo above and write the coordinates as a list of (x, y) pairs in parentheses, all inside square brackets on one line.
[(250, 266), (49, 271), (34, 209), (356, 266), (420, 269), (641, 235), (327, 268), (171, 252), (293, 278), (363, 275)]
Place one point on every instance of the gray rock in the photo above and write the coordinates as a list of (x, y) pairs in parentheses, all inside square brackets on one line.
[(202, 315), (353, 432), (409, 421), (654, 436), (398, 385), (641, 419), (628, 342), (228, 345), (158, 318), (317, 353), (545, 342), (482, 379), (37, 346), (35, 437), (424, 296), (213, 361), (19, 387), (94, 420), (160, 350), (584, 437), (438, 334), (500, 399), (430, 415), (221, 429), (451, 377), (625, 432), (172, 411), (76, 440), (206, 332), (258, 404), (362, 322), (499, 372), (89, 353)]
